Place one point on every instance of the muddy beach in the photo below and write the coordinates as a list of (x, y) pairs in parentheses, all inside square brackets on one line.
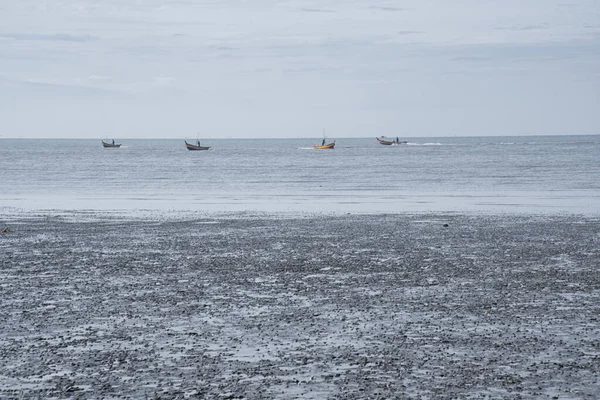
[(258, 307)]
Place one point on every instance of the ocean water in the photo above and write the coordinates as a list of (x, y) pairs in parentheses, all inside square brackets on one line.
[(534, 174)]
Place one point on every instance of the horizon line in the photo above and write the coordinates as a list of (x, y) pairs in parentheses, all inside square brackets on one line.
[(299, 137)]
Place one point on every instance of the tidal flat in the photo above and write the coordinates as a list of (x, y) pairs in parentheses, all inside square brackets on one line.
[(311, 307)]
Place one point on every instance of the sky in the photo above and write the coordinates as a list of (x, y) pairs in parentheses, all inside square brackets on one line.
[(281, 69)]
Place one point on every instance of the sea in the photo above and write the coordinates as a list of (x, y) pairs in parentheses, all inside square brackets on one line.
[(527, 174)]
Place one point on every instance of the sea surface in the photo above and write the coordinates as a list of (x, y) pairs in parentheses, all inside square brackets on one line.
[(533, 174)]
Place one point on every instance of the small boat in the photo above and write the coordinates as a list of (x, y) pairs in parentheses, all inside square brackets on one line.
[(390, 142), (113, 144), (325, 146), (195, 146)]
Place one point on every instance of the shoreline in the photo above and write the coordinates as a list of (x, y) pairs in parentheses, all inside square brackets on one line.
[(141, 214), (354, 306)]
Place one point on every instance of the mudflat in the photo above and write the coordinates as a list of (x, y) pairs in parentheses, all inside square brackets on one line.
[(261, 307)]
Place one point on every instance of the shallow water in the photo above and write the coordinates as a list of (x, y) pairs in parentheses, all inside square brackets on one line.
[(542, 174)]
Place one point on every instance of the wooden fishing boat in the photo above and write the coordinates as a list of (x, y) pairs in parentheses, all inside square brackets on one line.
[(390, 142), (325, 146), (113, 144), (196, 146)]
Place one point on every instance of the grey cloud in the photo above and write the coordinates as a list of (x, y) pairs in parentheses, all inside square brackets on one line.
[(61, 37), (318, 10), (63, 89), (522, 27), (389, 8), (470, 58), (569, 5), (382, 54), (502, 55)]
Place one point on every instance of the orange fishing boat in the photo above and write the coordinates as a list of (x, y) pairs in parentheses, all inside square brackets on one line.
[(325, 146)]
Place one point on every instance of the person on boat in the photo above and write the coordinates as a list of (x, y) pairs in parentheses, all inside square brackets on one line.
[(323, 142), (397, 140), (113, 141), (198, 143)]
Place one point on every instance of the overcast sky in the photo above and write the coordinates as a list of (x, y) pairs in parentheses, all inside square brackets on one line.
[(266, 68)]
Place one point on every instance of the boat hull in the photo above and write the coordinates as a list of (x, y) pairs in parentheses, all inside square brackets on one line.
[(195, 147), (326, 146), (390, 143), (116, 145)]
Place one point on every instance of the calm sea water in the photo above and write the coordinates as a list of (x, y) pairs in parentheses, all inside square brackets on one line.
[(542, 174)]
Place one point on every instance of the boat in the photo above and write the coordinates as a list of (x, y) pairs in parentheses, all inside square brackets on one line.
[(390, 142), (325, 146), (113, 144), (196, 146)]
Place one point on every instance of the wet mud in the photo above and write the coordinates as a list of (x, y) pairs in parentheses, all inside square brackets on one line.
[(353, 307)]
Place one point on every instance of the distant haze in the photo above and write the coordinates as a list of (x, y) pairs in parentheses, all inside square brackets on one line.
[(235, 68)]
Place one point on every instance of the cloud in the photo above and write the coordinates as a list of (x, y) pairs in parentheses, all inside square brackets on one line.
[(307, 61), (36, 87), (537, 55), (99, 78), (523, 27), (471, 58), (317, 10), (389, 8), (164, 80), (60, 37)]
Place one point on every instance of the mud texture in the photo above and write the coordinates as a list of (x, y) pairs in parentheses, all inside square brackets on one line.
[(352, 307)]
